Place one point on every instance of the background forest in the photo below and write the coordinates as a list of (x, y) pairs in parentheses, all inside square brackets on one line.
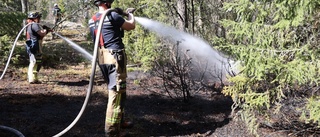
[(276, 42)]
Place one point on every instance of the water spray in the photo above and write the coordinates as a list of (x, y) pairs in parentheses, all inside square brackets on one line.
[(199, 50), (76, 47)]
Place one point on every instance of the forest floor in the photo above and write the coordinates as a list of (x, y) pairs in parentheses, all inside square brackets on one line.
[(42, 110)]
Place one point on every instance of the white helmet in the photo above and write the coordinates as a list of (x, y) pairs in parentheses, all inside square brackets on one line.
[(56, 5)]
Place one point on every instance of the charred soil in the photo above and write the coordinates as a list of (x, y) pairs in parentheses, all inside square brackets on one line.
[(46, 109)]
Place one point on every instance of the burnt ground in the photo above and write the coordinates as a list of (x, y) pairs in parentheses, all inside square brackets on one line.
[(40, 110)]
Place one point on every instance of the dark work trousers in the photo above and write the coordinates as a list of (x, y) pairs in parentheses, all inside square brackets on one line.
[(113, 67)]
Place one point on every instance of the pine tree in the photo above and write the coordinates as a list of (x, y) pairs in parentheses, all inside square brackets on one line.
[(277, 43)]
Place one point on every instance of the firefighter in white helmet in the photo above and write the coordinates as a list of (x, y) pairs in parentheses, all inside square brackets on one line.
[(56, 12)]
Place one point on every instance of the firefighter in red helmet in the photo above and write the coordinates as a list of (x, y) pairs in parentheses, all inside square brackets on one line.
[(112, 62)]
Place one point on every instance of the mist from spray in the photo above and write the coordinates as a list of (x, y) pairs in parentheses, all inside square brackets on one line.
[(213, 63)]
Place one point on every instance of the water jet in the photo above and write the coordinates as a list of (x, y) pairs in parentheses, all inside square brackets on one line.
[(218, 65)]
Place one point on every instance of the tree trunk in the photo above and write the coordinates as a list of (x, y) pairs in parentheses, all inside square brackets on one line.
[(24, 6), (193, 16), (24, 9), (183, 12)]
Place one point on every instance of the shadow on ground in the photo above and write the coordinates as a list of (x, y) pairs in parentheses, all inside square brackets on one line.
[(41, 115)]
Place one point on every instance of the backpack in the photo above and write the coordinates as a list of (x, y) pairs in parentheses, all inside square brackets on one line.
[(32, 45), (56, 12), (96, 22)]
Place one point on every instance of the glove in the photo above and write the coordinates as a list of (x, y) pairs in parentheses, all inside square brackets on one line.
[(130, 10), (120, 11), (47, 28)]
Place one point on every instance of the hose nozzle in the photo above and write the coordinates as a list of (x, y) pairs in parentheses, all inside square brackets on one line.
[(124, 13), (130, 10)]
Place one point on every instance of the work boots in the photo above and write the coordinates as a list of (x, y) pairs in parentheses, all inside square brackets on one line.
[(122, 134), (34, 79), (112, 132), (126, 125)]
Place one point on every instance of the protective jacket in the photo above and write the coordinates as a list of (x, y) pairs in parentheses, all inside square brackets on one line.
[(111, 33)]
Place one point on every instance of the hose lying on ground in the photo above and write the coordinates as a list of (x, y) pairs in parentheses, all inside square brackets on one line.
[(16, 132)]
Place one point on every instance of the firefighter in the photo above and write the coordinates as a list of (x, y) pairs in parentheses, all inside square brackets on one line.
[(56, 13), (112, 62), (35, 33)]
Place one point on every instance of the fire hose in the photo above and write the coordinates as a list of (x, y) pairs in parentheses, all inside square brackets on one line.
[(16, 132), (4, 71), (93, 69), (14, 45)]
